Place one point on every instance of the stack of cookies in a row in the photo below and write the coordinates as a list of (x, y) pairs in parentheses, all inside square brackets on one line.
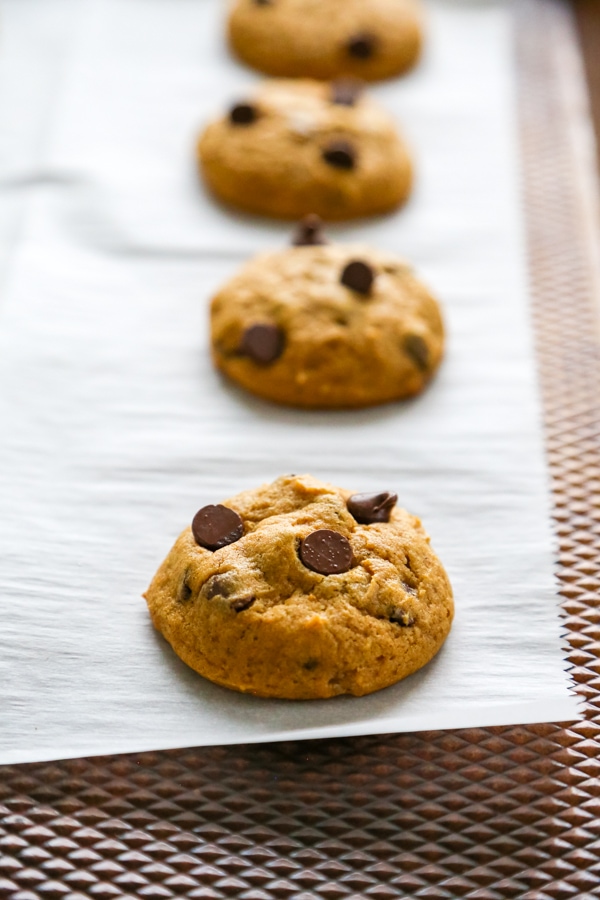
[(300, 589)]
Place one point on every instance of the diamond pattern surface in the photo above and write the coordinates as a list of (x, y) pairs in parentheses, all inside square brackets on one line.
[(485, 814)]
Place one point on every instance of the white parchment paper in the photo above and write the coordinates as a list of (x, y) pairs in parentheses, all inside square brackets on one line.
[(115, 429)]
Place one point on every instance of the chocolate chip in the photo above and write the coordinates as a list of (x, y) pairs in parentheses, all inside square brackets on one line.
[(216, 526), (416, 347), (369, 508), (185, 591), (346, 91), (243, 114), (263, 343), (242, 603), (217, 586), (410, 588), (326, 552), (340, 154), (310, 665), (403, 618), (309, 232), (361, 45), (358, 276)]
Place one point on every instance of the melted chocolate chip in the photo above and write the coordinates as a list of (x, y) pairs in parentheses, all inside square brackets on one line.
[(309, 232), (262, 343), (358, 276), (416, 347), (185, 591), (217, 586), (340, 154), (346, 91), (326, 552), (361, 45), (243, 114), (242, 603), (216, 526), (403, 618), (369, 508)]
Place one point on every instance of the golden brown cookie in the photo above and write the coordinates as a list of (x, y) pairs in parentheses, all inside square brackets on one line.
[(302, 590), (370, 39), (327, 326), (295, 147)]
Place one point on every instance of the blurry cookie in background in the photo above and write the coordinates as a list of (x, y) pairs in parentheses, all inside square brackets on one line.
[(295, 147), (327, 326), (302, 590), (370, 39)]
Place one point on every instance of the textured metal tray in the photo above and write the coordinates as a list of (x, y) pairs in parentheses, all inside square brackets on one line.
[(480, 813)]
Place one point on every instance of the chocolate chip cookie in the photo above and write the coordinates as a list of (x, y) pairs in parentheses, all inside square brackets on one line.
[(295, 147), (302, 590), (327, 326), (371, 39)]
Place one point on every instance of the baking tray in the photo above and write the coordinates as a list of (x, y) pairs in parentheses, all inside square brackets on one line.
[(490, 813)]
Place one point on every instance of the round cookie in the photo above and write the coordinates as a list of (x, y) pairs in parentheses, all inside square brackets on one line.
[(370, 39), (301, 590), (296, 147), (327, 326)]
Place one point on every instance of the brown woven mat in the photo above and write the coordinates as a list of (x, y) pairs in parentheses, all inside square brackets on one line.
[(480, 813)]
